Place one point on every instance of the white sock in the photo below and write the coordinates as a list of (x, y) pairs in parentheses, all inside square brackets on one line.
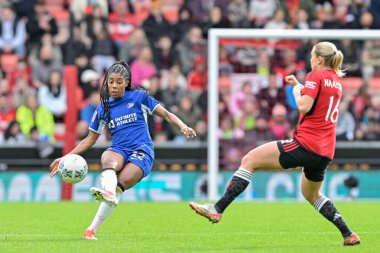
[(102, 214), (108, 179)]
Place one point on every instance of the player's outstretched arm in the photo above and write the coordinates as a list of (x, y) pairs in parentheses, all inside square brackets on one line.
[(174, 120), (83, 146)]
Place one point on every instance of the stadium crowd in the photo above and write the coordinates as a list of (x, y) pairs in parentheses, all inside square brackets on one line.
[(165, 43)]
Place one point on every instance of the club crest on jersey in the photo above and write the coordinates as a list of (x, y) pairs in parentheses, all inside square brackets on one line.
[(129, 105), (310, 84)]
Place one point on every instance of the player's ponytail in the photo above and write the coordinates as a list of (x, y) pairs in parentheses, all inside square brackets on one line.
[(333, 56)]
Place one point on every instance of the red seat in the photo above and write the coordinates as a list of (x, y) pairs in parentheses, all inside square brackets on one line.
[(352, 83), (374, 83), (8, 62)]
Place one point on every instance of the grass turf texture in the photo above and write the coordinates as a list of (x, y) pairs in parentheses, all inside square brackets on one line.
[(174, 227)]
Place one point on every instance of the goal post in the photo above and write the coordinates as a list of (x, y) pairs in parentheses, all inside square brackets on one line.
[(213, 73)]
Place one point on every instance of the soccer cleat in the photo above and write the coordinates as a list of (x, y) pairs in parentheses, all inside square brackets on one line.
[(352, 240), (89, 235), (206, 210), (104, 196)]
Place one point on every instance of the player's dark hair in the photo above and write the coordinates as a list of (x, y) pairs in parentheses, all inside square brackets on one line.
[(119, 67)]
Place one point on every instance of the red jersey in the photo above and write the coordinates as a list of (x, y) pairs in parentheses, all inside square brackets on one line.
[(316, 130)]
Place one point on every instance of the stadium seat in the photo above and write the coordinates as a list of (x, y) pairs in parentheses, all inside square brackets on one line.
[(352, 84), (60, 14), (8, 62), (171, 14), (374, 83)]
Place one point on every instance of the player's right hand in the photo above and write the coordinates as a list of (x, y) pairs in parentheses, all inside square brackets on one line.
[(292, 80), (54, 167)]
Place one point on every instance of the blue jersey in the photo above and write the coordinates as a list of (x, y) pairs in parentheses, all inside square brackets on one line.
[(128, 124)]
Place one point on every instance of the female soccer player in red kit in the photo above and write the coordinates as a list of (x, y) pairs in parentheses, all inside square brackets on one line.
[(311, 147)]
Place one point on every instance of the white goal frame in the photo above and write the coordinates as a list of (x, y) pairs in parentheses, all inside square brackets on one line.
[(213, 73)]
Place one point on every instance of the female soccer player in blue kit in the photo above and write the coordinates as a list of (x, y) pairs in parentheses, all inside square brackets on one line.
[(130, 158)]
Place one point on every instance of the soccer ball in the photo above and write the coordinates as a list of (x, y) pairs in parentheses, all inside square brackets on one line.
[(72, 168)]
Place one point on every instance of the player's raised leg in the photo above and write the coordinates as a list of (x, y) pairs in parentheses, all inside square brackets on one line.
[(264, 156), (101, 215), (311, 191)]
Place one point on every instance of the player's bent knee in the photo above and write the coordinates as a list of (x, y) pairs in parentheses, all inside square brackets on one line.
[(311, 197), (248, 161)]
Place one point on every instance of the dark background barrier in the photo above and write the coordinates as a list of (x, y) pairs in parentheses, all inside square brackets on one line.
[(173, 157)]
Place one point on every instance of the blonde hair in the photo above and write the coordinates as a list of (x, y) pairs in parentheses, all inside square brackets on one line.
[(333, 57)]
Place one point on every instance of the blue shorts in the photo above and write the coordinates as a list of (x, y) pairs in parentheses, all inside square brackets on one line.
[(140, 158)]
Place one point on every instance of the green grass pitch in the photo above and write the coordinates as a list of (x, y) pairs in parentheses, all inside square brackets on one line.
[(174, 227)]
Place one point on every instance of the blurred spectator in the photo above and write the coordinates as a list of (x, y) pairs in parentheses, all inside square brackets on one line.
[(32, 114), (293, 8), (201, 9), (351, 50), (346, 123), (154, 87), (227, 129), (289, 63), (156, 24), (103, 51), (278, 21), (93, 23), (82, 63), (13, 133), (7, 112), (197, 78), (216, 21), (132, 48), (44, 64), (12, 32), (143, 67), (189, 48), (39, 23), (90, 80), (189, 113), (330, 19), (302, 21), (174, 71), (164, 54), (23, 8), (184, 23), (375, 10), (366, 21), (246, 119), (225, 66), (42, 144), (18, 92), (172, 94), (354, 11), (53, 95), (279, 123), (87, 113), (75, 46), (239, 97), (360, 102), (261, 132), (270, 96), (201, 130), (261, 11), (21, 71), (371, 59), (80, 8), (237, 13), (122, 22)]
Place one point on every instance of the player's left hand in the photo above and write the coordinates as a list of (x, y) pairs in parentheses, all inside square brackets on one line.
[(188, 132), (54, 167)]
